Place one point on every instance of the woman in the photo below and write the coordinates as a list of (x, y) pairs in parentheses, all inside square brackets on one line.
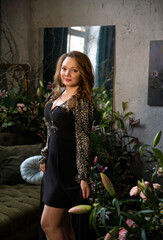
[(69, 116)]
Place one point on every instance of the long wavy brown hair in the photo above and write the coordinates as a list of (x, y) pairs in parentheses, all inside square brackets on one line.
[(86, 73)]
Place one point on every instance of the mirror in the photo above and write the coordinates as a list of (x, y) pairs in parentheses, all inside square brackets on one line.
[(95, 41)]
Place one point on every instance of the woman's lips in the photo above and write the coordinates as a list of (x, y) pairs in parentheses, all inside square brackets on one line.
[(67, 79)]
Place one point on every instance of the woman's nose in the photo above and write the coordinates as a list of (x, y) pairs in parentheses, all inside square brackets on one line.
[(67, 73)]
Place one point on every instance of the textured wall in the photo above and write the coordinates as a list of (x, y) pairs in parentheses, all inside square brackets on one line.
[(137, 22)]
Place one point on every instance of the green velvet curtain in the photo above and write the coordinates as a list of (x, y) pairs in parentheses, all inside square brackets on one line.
[(105, 54), (55, 44)]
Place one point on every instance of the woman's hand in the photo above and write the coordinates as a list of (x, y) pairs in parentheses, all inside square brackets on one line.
[(85, 189), (42, 167)]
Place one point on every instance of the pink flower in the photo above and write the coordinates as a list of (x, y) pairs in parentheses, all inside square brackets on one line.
[(25, 109), (123, 231), (95, 128), (134, 191), (156, 186), (93, 185), (143, 196), (160, 172), (134, 122), (50, 85), (122, 234), (95, 161), (20, 110), (155, 73), (147, 183), (130, 222), (102, 169), (20, 105)]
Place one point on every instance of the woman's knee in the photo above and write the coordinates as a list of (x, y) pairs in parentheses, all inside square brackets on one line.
[(44, 223), (51, 220)]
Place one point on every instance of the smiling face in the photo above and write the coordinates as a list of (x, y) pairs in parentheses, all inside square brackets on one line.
[(70, 74)]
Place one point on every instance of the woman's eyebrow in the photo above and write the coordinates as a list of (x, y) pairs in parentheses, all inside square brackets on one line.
[(71, 67)]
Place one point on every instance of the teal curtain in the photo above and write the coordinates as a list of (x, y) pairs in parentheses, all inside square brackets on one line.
[(105, 55), (55, 44)]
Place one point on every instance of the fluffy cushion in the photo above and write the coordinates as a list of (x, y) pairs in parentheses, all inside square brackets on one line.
[(30, 170), (11, 158)]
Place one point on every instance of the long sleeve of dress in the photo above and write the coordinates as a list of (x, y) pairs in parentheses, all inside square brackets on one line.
[(44, 150), (83, 113)]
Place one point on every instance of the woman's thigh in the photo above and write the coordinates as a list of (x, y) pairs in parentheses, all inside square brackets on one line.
[(52, 216)]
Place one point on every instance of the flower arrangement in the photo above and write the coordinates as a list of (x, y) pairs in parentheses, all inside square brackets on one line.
[(140, 217), (22, 113)]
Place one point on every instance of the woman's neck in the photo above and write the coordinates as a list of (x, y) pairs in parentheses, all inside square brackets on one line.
[(70, 91)]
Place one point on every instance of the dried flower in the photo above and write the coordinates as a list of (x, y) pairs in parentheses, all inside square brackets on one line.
[(3, 93)]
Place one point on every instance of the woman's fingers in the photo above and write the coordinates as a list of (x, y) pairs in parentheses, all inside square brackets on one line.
[(42, 167), (85, 189)]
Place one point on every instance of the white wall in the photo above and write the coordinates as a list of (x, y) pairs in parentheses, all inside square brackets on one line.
[(137, 22)]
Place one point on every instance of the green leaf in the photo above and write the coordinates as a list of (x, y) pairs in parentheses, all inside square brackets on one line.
[(143, 211), (115, 203), (157, 139), (158, 153), (122, 124), (94, 222), (102, 213), (155, 171), (111, 235), (142, 147), (128, 114), (143, 234), (124, 106), (41, 84), (8, 124)]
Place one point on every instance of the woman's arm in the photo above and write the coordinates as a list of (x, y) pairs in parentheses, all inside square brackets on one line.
[(44, 151), (83, 113)]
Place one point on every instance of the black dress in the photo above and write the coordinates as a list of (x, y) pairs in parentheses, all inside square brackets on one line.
[(68, 153)]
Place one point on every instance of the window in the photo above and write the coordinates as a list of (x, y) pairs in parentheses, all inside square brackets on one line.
[(76, 39)]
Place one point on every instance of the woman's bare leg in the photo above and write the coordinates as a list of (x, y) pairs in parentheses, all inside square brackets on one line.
[(67, 227), (52, 222)]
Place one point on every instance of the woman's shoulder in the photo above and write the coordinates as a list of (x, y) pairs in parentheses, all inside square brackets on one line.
[(84, 102), (84, 105)]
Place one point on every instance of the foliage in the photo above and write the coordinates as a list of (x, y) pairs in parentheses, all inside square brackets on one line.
[(138, 218), (115, 150), (153, 154)]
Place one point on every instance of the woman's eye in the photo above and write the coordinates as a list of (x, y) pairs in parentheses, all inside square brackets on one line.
[(63, 69), (75, 70)]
